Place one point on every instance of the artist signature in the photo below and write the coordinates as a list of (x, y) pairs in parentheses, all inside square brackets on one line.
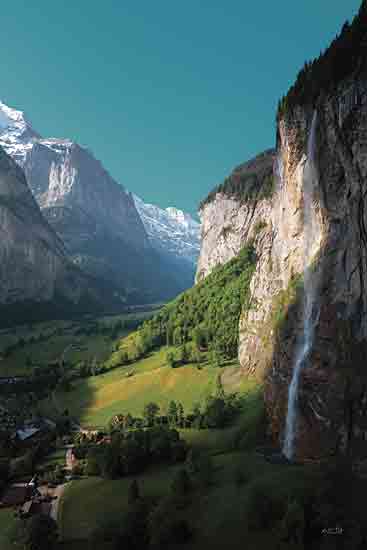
[(332, 531)]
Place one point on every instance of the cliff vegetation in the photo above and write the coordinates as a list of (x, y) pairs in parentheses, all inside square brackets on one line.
[(346, 56), (204, 318), (250, 182)]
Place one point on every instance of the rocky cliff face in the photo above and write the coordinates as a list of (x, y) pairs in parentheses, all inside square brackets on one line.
[(332, 403), (94, 216), (228, 221), (34, 268), (331, 407)]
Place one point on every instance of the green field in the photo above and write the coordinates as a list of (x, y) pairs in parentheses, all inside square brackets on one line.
[(77, 521), (94, 401), (59, 339), (217, 514), (7, 522)]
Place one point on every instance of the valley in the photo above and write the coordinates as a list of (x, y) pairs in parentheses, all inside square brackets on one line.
[(172, 384), (25, 347)]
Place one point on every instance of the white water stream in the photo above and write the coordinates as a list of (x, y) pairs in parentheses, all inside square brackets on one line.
[(311, 302)]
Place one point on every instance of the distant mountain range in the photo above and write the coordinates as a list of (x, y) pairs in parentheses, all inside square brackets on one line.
[(175, 235), (141, 252)]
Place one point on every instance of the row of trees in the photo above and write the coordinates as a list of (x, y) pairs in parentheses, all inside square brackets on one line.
[(22, 342), (245, 185), (130, 453), (112, 330), (218, 411)]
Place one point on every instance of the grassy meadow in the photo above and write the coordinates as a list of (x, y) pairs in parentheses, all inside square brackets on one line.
[(7, 521), (94, 401), (217, 515), (47, 342)]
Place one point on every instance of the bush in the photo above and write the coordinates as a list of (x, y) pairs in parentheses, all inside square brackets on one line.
[(36, 533), (92, 467), (292, 530), (252, 428), (241, 477), (264, 509), (166, 527)]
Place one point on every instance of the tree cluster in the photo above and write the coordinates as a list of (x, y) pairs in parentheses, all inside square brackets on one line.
[(149, 523), (130, 453), (206, 316), (245, 186), (328, 512)]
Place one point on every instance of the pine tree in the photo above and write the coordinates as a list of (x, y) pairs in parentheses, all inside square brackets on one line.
[(180, 415), (172, 414), (219, 388), (185, 354), (181, 483)]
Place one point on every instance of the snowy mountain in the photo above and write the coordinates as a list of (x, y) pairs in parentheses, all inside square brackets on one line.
[(94, 216), (171, 230)]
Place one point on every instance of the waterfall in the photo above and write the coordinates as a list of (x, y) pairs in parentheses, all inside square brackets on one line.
[(310, 300)]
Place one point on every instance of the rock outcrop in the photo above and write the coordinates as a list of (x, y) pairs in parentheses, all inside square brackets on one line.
[(228, 220), (35, 272), (332, 401), (93, 215), (333, 388)]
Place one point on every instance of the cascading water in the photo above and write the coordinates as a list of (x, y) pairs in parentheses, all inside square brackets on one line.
[(310, 303)]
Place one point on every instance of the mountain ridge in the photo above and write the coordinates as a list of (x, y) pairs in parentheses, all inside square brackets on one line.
[(95, 216)]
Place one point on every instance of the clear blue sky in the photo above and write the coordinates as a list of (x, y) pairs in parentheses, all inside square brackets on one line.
[(170, 94)]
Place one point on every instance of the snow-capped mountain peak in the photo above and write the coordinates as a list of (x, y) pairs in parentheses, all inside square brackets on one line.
[(170, 229), (66, 177), (11, 117), (16, 133)]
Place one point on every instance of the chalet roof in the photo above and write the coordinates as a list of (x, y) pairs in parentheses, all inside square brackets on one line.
[(27, 433)]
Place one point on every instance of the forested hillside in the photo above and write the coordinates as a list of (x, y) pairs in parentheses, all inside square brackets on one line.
[(204, 318)]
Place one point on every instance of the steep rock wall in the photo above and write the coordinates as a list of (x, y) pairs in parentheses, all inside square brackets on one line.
[(229, 222), (332, 397), (33, 262)]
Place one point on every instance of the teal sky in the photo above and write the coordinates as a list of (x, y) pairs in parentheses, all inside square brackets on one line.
[(170, 95)]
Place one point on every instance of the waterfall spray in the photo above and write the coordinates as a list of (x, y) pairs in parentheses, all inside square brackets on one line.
[(310, 300)]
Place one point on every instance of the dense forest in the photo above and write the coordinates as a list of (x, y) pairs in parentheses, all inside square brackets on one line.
[(346, 56), (205, 318)]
